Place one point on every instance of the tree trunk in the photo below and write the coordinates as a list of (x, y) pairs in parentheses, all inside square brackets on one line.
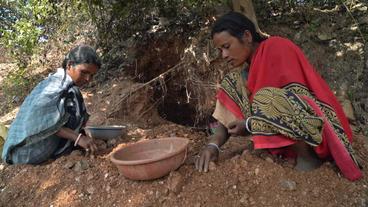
[(246, 7)]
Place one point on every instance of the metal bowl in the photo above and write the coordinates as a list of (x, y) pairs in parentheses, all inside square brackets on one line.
[(106, 132)]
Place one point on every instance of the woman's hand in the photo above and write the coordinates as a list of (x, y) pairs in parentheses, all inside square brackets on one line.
[(208, 154), (237, 128), (88, 144)]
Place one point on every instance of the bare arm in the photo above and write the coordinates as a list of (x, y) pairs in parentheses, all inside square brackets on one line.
[(85, 141), (211, 152)]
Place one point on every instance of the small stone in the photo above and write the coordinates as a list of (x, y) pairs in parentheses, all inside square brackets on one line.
[(212, 166), (246, 155), (348, 109), (243, 163), (363, 9), (108, 188), (244, 199), (90, 177), (76, 153), (73, 192), (256, 171), (324, 36), (269, 159), (111, 142), (90, 189), (235, 158), (81, 165), (175, 182), (166, 192), (2, 167), (102, 145), (288, 185), (252, 201), (69, 165), (157, 194), (77, 179)]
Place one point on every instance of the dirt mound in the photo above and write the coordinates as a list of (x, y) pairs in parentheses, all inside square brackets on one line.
[(240, 178)]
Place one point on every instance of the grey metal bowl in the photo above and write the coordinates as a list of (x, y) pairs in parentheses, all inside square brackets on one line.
[(105, 132)]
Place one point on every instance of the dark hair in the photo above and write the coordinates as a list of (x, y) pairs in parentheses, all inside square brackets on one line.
[(236, 24), (80, 55)]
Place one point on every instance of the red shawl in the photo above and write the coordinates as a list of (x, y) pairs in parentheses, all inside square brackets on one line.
[(278, 62)]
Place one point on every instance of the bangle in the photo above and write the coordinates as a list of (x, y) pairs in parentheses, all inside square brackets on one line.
[(246, 125), (214, 145), (77, 140)]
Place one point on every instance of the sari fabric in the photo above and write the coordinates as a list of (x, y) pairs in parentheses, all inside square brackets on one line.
[(279, 64), (55, 102)]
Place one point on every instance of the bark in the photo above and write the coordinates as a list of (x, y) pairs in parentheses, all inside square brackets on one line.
[(246, 7)]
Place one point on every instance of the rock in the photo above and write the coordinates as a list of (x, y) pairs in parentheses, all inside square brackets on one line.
[(244, 199), (363, 9), (111, 142), (69, 165), (316, 192), (269, 159), (166, 192), (252, 201), (81, 165), (235, 158), (212, 166), (90, 177), (243, 163), (348, 109), (2, 167), (288, 185), (325, 36), (175, 182), (157, 194), (77, 179), (256, 171), (297, 36), (108, 188), (102, 145), (90, 189), (76, 153)]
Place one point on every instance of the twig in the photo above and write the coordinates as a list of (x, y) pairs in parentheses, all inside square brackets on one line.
[(355, 21), (159, 77), (162, 75)]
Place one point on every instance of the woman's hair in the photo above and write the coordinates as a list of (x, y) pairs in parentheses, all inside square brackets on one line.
[(82, 54), (236, 24)]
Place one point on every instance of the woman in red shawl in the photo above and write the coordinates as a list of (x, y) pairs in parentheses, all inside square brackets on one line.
[(279, 99)]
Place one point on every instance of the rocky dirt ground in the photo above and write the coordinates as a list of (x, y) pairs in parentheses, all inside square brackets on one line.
[(241, 177)]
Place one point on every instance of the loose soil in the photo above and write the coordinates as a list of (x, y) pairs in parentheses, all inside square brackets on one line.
[(241, 177)]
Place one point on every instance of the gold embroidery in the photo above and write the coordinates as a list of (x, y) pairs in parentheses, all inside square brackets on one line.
[(285, 113), (235, 87)]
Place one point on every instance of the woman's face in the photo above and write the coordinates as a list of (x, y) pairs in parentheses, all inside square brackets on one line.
[(235, 52), (82, 74)]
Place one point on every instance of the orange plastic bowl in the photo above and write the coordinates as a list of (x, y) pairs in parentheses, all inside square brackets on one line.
[(151, 159)]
